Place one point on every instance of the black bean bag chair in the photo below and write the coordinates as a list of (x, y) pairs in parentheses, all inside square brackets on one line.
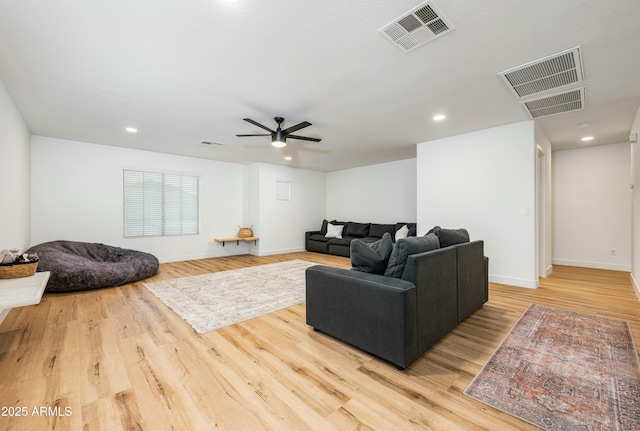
[(77, 266)]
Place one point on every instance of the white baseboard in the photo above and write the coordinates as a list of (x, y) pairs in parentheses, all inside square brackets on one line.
[(511, 281), (635, 285), (272, 252), (3, 313), (548, 271), (231, 252), (230, 249), (595, 265)]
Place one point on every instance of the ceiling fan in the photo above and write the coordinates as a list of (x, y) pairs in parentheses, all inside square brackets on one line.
[(279, 136)]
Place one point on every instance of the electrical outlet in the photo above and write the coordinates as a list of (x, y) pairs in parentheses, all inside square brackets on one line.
[(613, 252)]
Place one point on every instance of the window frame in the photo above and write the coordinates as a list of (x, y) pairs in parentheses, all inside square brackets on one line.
[(165, 204)]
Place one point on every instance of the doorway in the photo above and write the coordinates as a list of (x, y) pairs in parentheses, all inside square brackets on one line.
[(541, 213)]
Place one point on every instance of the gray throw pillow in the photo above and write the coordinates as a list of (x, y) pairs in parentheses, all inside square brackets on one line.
[(449, 237), (371, 257), (406, 247)]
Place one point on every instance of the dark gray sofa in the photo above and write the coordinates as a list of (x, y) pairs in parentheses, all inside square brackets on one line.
[(317, 241), (399, 318)]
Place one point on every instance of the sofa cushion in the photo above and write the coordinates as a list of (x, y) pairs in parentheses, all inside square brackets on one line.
[(370, 239), (371, 257), (406, 247), (338, 249), (345, 241), (378, 230), (412, 228), (357, 230), (334, 230), (319, 237), (449, 237)]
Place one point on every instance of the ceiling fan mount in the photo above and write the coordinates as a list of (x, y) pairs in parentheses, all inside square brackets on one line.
[(279, 136)]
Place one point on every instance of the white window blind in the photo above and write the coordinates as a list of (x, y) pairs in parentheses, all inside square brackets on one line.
[(160, 204)]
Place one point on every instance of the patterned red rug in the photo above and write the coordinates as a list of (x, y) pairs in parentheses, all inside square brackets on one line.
[(562, 370)]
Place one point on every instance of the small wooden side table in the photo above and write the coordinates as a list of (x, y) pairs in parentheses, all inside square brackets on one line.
[(237, 239)]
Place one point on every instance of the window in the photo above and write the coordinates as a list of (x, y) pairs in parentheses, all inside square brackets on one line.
[(160, 204), (283, 190)]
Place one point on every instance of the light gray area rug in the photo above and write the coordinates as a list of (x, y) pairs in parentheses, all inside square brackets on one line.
[(212, 301)]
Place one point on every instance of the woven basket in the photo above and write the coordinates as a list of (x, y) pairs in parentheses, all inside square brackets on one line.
[(18, 270), (245, 232)]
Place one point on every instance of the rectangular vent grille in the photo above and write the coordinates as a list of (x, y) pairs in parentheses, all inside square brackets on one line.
[(551, 73), (417, 27), (568, 101)]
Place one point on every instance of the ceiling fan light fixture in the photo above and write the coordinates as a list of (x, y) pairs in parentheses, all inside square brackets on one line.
[(279, 136), (279, 139)]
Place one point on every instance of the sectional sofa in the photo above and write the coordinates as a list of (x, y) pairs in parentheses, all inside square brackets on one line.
[(398, 310), (325, 241)]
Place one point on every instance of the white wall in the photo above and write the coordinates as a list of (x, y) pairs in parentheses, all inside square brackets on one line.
[(485, 182), (281, 224), (383, 193), (592, 208), (77, 195), (635, 178), (15, 182)]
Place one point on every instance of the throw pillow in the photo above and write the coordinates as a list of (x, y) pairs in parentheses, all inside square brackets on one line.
[(413, 227), (372, 257), (408, 246), (378, 230), (323, 229), (334, 230), (402, 233), (449, 237), (357, 230)]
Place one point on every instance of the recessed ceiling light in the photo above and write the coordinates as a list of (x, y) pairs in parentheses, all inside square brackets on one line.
[(439, 117), (288, 158), (587, 138), (131, 130)]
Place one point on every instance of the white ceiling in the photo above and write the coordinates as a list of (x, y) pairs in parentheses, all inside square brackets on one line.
[(187, 71)]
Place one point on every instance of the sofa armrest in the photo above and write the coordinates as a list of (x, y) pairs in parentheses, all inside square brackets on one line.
[(435, 275), (309, 233), (307, 236), (372, 312), (472, 277)]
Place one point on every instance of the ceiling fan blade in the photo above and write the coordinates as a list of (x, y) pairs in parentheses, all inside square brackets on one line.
[(263, 134), (304, 138), (255, 123), (297, 127)]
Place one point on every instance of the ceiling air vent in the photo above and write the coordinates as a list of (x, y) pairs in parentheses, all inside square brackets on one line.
[(417, 27), (212, 143), (559, 103), (550, 73)]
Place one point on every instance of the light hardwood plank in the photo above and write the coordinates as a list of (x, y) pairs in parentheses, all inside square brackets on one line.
[(120, 359)]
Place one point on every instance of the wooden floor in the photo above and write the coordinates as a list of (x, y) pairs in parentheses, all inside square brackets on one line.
[(118, 359)]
